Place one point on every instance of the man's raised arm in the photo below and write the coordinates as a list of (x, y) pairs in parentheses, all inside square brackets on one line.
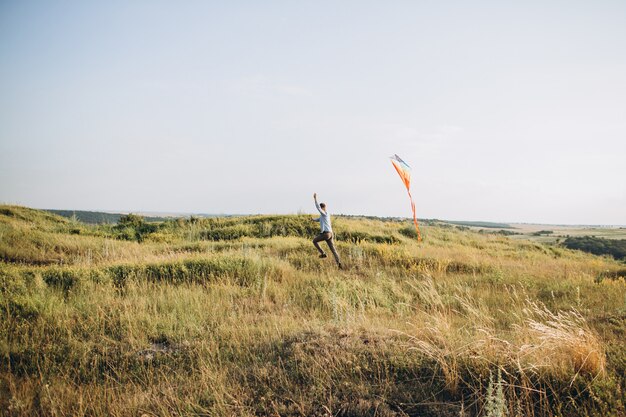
[(317, 205)]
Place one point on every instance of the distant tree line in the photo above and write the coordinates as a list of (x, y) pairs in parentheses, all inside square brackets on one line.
[(543, 233), (98, 217), (499, 232), (598, 246), (487, 225)]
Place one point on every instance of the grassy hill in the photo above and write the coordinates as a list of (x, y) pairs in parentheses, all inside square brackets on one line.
[(238, 316)]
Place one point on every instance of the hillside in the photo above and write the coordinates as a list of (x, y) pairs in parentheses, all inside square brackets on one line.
[(238, 316)]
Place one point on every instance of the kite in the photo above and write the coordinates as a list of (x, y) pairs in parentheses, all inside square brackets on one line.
[(405, 173)]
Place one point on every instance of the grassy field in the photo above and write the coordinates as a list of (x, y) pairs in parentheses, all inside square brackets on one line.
[(558, 233), (239, 317)]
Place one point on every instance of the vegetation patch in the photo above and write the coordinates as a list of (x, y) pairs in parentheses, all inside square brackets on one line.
[(598, 246), (239, 316), (241, 271)]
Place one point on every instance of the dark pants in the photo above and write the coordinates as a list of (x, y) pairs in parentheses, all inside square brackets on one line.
[(328, 237)]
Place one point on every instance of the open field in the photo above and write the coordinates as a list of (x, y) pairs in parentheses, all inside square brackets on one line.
[(238, 316), (556, 232), (561, 232)]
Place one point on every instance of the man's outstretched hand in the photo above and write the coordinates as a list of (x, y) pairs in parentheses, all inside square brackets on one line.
[(315, 196)]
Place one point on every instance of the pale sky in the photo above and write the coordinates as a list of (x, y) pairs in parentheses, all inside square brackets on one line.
[(506, 111)]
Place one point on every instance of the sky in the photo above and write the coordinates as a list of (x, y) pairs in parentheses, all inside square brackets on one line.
[(505, 111)]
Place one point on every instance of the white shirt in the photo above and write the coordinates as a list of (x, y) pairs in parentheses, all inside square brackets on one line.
[(324, 219)]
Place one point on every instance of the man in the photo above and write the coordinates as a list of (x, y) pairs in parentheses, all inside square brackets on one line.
[(326, 232)]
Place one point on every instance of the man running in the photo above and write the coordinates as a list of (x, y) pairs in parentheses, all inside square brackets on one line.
[(326, 233)]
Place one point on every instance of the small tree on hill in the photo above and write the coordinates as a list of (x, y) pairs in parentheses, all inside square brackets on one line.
[(131, 220)]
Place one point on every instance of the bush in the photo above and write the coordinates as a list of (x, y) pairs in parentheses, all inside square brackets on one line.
[(256, 226), (134, 227), (62, 279), (24, 308), (10, 281), (543, 233), (356, 237), (409, 231), (131, 220), (121, 273), (226, 233), (241, 270), (614, 275)]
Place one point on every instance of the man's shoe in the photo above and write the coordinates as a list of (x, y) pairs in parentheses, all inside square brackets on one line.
[(340, 265), (323, 255)]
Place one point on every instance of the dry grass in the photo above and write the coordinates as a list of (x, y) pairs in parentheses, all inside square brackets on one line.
[(543, 343), (261, 326)]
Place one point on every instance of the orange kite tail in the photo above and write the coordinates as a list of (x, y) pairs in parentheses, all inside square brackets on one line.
[(417, 228), (405, 174)]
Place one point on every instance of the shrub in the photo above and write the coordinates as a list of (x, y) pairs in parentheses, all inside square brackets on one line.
[(256, 226), (64, 279), (121, 273), (543, 233), (614, 275), (226, 233), (132, 220), (356, 237), (409, 231), (10, 281), (242, 271), (134, 227), (21, 307)]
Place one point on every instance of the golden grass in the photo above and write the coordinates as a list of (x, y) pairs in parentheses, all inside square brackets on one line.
[(264, 327)]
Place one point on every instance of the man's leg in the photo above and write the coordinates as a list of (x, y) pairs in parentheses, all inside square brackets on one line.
[(317, 239), (331, 245)]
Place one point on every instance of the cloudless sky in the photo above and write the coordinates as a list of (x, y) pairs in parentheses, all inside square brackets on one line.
[(506, 111)]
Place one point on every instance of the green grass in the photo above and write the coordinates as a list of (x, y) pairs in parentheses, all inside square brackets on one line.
[(238, 316)]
